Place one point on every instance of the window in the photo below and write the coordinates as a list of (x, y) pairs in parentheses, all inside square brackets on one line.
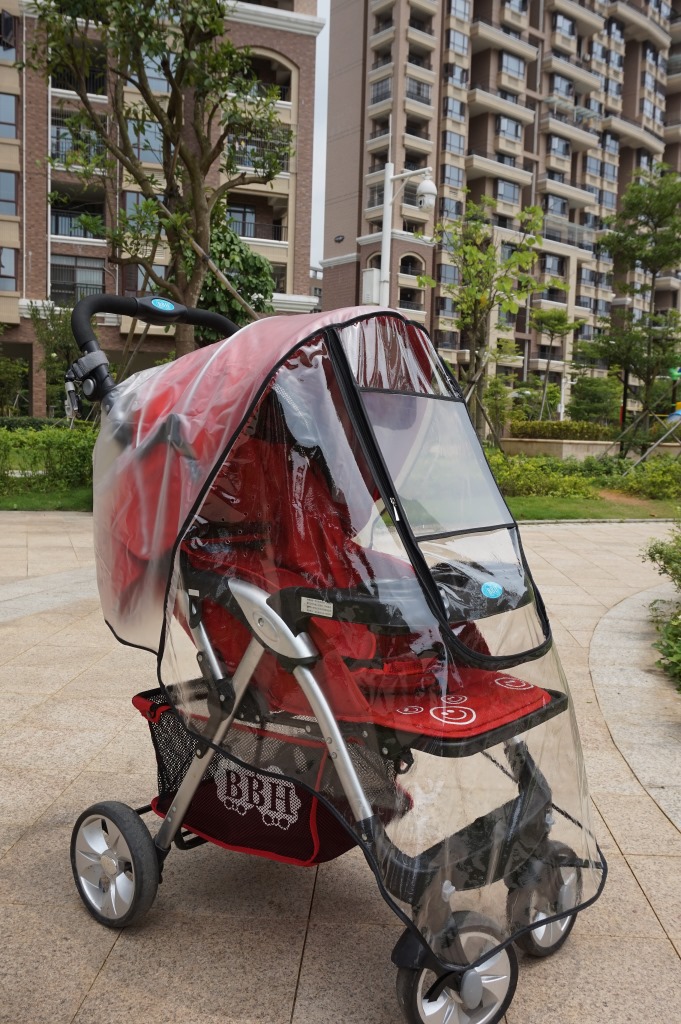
[(147, 141), (8, 193), (608, 199), (157, 80), (8, 116), (508, 128), (551, 264), (411, 265), (565, 26), (241, 219), (381, 90), (519, 6), (419, 91), (454, 109), (506, 251), (562, 86), (610, 143), (512, 65), (558, 176), (592, 165), (609, 171), (508, 191), (453, 74), (73, 277), (452, 176), (616, 30), (558, 146), (505, 158), (457, 41), (452, 142), (450, 209), (447, 274), (445, 306), (650, 54), (644, 159), (446, 339), (613, 88), (8, 270), (598, 52), (135, 281), (648, 80), (556, 205), (595, 106), (65, 218), (460, 9), (615, 60), (8, 37)]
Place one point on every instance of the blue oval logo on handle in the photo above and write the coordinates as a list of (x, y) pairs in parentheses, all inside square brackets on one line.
[(163, 304), (492, 590)]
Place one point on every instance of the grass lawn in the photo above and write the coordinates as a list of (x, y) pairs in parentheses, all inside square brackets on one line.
[(79, 499), (612, 506)]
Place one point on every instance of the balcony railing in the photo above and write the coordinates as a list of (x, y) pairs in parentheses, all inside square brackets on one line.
[(253, 153), (66, 138), (409, 304), (379, 133), (260, 229), (66, 289), (95, 81), (67, 223)]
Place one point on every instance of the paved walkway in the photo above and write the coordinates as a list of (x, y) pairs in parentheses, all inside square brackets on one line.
[(239, 940)]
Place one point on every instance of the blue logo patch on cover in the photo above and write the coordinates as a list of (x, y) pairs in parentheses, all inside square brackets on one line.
[(492, 589), (164, 304)]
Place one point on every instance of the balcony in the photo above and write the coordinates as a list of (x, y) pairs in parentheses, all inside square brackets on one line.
[(632, 133), (638, 24), (485, 165), (485, 36), (576, 70), (253, 154), (482, 100), (588, 22), (68, 141), (74, 277), (672, 132), (575, 193), (262, 230), (66, 223), (64, 80)]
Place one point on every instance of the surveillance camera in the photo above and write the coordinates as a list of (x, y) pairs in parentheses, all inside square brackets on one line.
[(426, 193)]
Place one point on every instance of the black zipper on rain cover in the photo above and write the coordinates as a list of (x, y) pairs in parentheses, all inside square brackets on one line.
[(351, 394)]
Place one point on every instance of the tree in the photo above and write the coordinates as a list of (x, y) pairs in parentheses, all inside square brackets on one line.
[(498, 402), (527, 399), (646, 235), (554, 323), (595, 400), (52, 327), (198, 114), (13, 375), (234, 257), (491, 277)]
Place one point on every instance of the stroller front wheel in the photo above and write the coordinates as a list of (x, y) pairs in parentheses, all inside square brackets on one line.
[(552, 884), (114, 863), (469, 938)]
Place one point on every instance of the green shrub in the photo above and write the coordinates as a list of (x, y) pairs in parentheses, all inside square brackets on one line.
[(669, 644), (658, 477), (565, 430), (26, 423), (666, 556), (45, 460), (520, 476)]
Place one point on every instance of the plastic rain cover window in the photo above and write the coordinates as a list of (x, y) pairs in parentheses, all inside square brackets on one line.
[(474, 777)]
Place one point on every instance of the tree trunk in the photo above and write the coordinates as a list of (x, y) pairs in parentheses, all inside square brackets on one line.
[(184, 339)]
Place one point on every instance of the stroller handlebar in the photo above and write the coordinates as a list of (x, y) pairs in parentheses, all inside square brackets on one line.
[(93, 369)]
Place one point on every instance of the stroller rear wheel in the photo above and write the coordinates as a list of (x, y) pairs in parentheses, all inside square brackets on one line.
[(114, 863), (550, 884), (485, 994)]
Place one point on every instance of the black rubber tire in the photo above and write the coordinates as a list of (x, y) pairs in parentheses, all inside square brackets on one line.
[(138, 869), (542, 880), (412, 983)]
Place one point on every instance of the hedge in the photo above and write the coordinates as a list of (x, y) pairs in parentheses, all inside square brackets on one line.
[(564, 430), (47, 459)]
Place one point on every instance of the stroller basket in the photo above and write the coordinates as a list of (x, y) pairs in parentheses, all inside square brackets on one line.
[(241, 808)]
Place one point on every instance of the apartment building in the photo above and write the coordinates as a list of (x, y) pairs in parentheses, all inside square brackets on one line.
[(554, 103), (45, 253)]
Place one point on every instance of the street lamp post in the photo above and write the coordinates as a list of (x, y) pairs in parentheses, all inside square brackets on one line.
[(426, 193)]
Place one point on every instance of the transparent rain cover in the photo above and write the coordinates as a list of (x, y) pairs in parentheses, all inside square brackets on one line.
[(345, 481)]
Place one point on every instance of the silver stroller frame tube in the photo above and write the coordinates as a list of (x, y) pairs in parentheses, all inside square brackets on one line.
[(270, 633)]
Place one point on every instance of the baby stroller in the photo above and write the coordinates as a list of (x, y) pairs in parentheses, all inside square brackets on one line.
[(300, 523)]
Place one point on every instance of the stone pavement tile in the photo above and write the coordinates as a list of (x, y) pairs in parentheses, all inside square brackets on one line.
[(654, 764), (29, 679), (78, 711), (660, 879), (46, 654), (346, 889), (638, 824), (669, 799), (577, 616), (66, 754), (347, 976), (184, 968), (24, 794), (607, 771), (561, 636), (48, 962), (622, 909), (599, 979), (582, 637), (36, 872), (92, 787), (130, 752), (567, 595), (15, 707), (607, 594), (210, 880)]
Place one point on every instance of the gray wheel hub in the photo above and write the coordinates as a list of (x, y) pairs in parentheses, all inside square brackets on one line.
[(471, 990)]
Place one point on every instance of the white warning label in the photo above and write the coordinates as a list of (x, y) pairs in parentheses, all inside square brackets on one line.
[(313, 606)]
